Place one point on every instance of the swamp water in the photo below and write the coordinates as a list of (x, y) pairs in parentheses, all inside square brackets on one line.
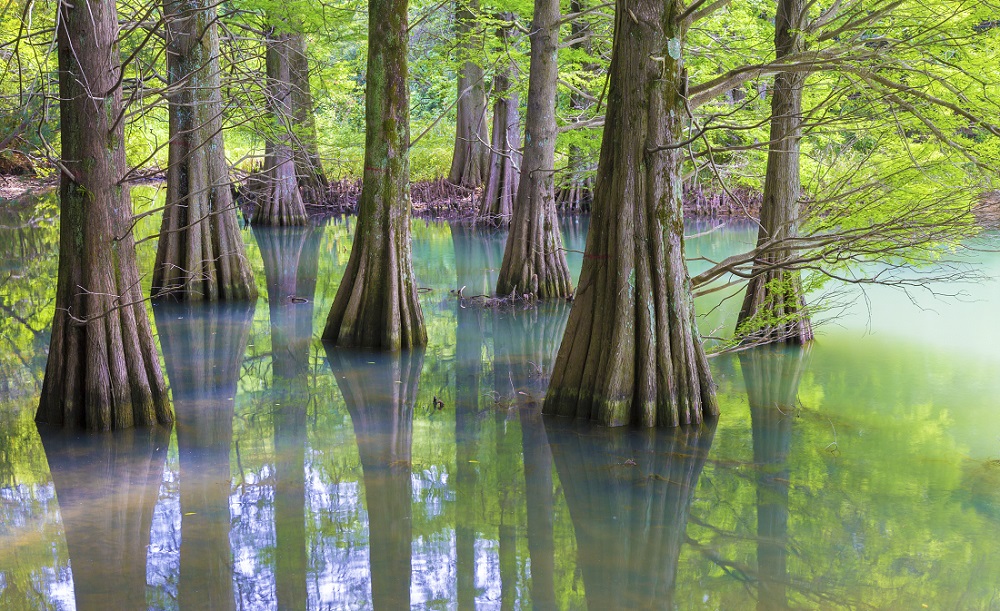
[(858, 473)]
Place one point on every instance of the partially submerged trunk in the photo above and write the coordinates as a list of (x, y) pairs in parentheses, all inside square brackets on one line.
[(313, 184), (279, 202), (497, 204), (534, 261), (380, 396), (203, 348), (471, 154), (103, 370), (630, 519), (107, 486), (200, 254), (632, 353), (376, 305), (774, 308)]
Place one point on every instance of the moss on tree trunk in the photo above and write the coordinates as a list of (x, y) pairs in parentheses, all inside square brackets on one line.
[(103, 370), (632, 353), (497, 204), (533, 260), (774, 307), (376, 305), (200, 254), (471, 154)]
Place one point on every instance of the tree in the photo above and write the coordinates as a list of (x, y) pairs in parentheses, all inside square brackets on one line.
[(471, 154), (103, 370), (631, 353), (312, 181), (533, 260), (504, 172), (200, 252), (376, 305)]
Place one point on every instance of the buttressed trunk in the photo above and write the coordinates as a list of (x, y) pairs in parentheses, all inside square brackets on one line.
[(103, 371), (308, 167), (280, 203), (471, 155), (497, 204), (534, 261), (631, 353), (376, 305), (774, 308), (200, 254)]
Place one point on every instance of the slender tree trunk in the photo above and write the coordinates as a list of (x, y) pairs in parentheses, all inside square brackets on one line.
[(376, 305), (200, 254), (497, 204), (534, 261), (103, 370), (774, 308), (308, 167), (577, 192), (280, 203), (632, 352), (471, 155)]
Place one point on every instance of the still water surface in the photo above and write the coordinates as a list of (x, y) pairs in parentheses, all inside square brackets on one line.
[(859, 473)]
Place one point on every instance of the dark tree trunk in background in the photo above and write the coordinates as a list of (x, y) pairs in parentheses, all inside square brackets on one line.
[(380, 398), (632, 353), (774, 308), (203, 349), (471, 156), (772, 382), (312, 180), (107, 486), (497, 204), (630, 520), (200, 254), (279, 203), (534, 261), (577, 192), (103, 370), (376, 305)]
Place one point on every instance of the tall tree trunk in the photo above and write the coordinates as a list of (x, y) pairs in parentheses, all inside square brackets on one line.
[(774, 308), (497, 204), (103, 370), (200, 254), (203, 349), (534, 261), (380, 397), (376, 305), (576, 192), (632, 352), (107, 486), (471, 155), (280, 203), (308, 167), (630, 519)]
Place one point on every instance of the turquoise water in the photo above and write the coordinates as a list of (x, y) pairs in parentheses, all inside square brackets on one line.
[(858, 473)]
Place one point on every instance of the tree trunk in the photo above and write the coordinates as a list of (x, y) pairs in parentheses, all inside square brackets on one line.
[(107, 486), (534, 261), (103, 370), (504, 173), (774, 308), (376, 305), (280, 203), (577, 192), (200, 254), (203, 349), (380, 398), (471, 155), (308, 167), (630, 519), (632, 353)]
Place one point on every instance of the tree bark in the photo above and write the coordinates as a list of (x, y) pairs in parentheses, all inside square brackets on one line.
[(504, 171), (471, 155), (313, 184), (774, 308), (280, 203), (103, 370), (200, 254), (534, 261), (376, 305), (632, 353)]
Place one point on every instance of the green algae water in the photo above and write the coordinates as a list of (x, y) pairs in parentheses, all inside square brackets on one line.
[(862, 472)]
